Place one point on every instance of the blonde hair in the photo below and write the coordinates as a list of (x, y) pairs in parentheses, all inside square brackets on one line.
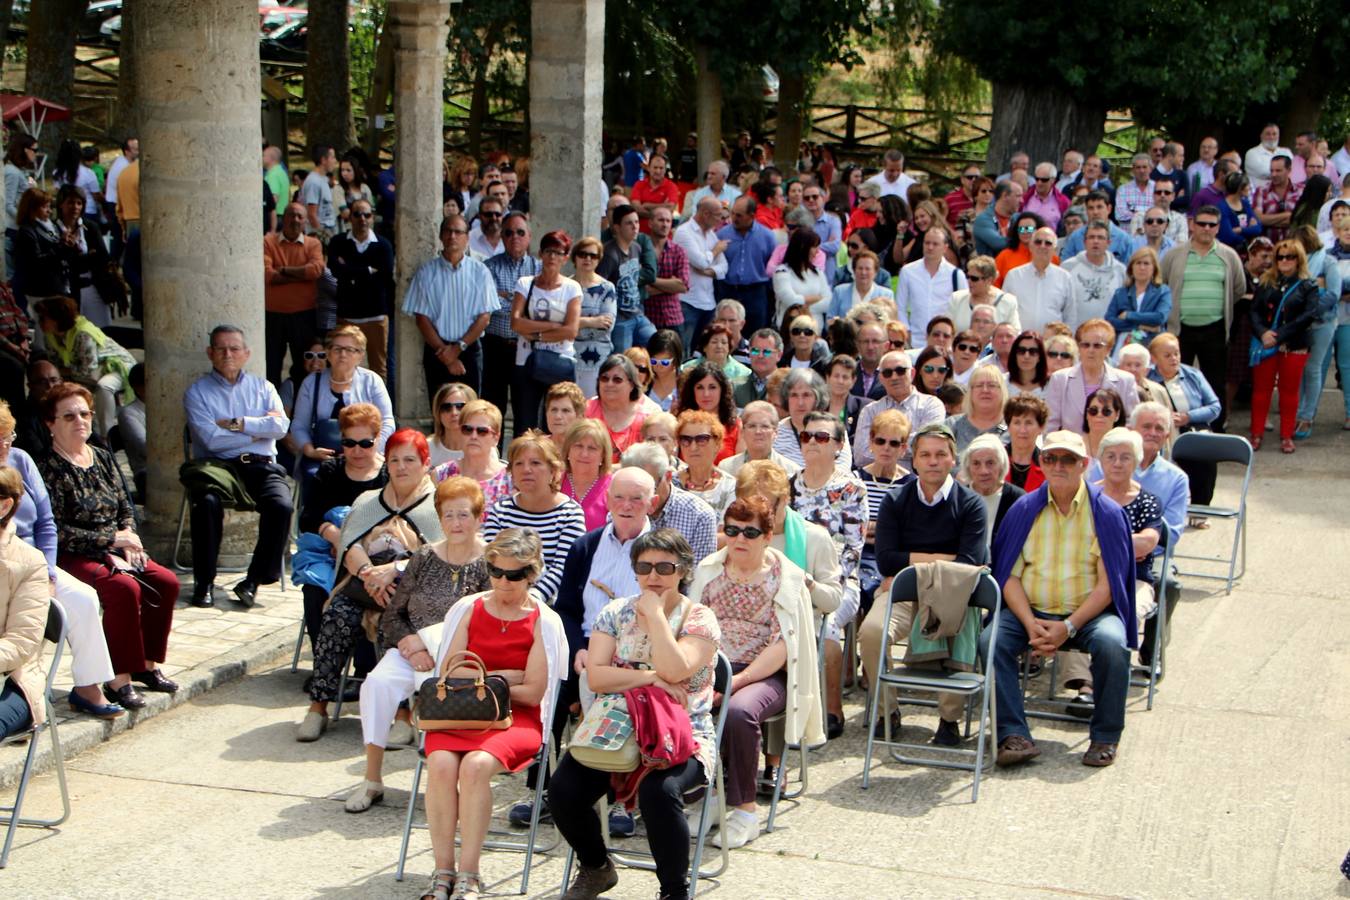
[(458, 487), (542, 445), (351, 331), (567, 390), (1062, 341), (663, 419), (442, 394), (892, 420), (988, 370), (7, 421), (1145, 253), (593, 429), (762, 478), (1289, 245), (482, 408)]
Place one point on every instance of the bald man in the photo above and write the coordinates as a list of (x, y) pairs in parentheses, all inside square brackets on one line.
[(1044, 291)]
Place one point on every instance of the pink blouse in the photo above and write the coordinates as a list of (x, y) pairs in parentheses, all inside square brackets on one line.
[(593, 503)]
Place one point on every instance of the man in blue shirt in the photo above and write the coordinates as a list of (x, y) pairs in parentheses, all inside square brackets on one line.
[(749, 246), (634, 159), (235, 419), (826, 226), (1098, 206)]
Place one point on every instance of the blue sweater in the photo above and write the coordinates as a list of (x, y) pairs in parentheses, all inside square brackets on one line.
[(33, 522), (1113, 537)]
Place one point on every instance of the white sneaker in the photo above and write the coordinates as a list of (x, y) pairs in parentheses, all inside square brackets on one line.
[(714, 804), (742, 828), (401, 735), (366, 795), (312, 727)]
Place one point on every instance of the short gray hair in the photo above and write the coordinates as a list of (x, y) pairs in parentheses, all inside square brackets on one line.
[(226, 329), (986, 442), (650, 457), (836, 424), (1150, 407), (734, 305), (755, 407), (797, 377), (1138, 350), (765, 333), (869, 189), (801, 217), (666, 540), (720, 165), (1122, 437), (521, 543)]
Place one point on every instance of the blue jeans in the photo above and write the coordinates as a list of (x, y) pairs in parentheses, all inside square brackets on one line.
[(695, 320), (1103, 638), (631, 331), (1315, 372), (15, 716), (1341, 344)]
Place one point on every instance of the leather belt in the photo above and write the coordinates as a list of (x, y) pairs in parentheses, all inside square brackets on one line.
[(248, 458)]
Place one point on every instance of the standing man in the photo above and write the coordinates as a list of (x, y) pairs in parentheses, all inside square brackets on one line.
[(926, 286), (1135, 195), (1044, 291), (1212, 194), (1045, 199), (1065, 562), (487, 241), (517, 198), (363, 265), (1170, 169), (706, 255), (826, 226), (990, 227), (452, 297), (634, 161), (1177, 226), (654, 192), (766, 349), (872, 344), (131, 149), (292, 266), (276, 176), (663, 304), (897, 377), (316, 194), (963, 197), (622, 266), (1257, 161), (1098, 206), (731, 314), (748, 248), (1093, 176), (499, 341), (1206, 279), (236, 419), (892, 178), (1096, 275), (1154, 232), (1200, 174), (1274, 201)]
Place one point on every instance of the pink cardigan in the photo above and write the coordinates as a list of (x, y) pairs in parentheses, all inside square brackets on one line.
[(1066, 395)]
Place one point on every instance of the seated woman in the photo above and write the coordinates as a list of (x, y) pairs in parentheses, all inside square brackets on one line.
[(88, 356), (586, 469), (436, 577), (90, 665), (966, 352), (446, 441), (933, 368), (388, 524), (666, 352), (707, 388), (803, 391), (713, 345), (700, 435), (563, 404), (890, 438), (1060, 353), (23, 619), (339, 482), (618, 403), (1025, 415), (521, 639), (480, 425), (983, 411), (662, 638), (1066, 391), (1102, 412), (98, 544), (763, 606), (805, 349), (642, 362), (659, 428), (1194, 406), (1029, 370), (759, 425)]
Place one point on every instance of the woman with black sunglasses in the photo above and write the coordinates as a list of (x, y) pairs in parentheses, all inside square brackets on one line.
[(1028, 372), (447, 442)]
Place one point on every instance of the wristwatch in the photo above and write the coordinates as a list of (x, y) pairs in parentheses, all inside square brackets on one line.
[(1071, 628), (462, 346), (236, 425)]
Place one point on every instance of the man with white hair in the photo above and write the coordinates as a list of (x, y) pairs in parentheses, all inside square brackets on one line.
[(673, 506), (1044, 198), (717, 187), (1070, 166), (1159, 476), (984, 466), (1044, 291)]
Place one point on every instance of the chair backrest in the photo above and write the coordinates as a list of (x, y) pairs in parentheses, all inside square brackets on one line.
[(905, 589), (55, 632), (722, 674), (1207, 447)]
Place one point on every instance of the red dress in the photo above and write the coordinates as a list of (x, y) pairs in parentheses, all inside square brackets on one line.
[(502, 645)]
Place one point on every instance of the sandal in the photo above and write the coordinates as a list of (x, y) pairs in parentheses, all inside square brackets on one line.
[(1287, 445), (1197, 523), (442, 882), (366, 795), (1099, 755), (467, 886), (1255, 441)]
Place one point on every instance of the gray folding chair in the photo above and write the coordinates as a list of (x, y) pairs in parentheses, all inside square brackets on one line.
[(986, 597), (776, 745), (641, 859), (1207, 447), (55, 633), (1160, 617)]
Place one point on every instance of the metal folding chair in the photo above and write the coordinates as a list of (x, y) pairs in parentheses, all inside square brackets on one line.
[(641, 859), (986, 597), (1207, 447), (1160, 618), (776, 745), (55, 632)]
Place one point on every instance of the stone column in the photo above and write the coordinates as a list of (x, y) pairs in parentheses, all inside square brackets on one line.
[(420, 28), (201, 242), (567, 92)]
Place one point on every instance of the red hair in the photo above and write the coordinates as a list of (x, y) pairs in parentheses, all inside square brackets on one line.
[(413, 438), (751, 509)]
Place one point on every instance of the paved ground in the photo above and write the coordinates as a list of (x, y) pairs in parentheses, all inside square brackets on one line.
[(1233, 786)]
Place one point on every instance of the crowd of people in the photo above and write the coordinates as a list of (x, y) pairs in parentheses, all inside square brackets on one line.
[(732, 417)]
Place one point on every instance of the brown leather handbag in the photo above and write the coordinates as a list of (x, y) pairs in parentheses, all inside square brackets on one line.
[(480, 702)]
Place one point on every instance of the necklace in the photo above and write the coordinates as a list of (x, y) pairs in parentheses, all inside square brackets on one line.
[(76, 460), (700, 486)]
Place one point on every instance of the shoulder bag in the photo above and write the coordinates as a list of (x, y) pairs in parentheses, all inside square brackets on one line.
[(325, 433), (546, 366), (480, 702), (1258, 352)]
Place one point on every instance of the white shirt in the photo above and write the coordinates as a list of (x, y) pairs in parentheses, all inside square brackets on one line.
[(940, 496), (482, 250), (1042, 297), (897, 188), (110, 183), (1178, 229), (1341, 160), (790, 289), (1257, 163), (697, 245), (920, 296), (1324, 214)]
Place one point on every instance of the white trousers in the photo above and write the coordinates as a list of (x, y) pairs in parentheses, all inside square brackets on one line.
[(105, 401), (390, 683), (89, 661), (1075, 665)]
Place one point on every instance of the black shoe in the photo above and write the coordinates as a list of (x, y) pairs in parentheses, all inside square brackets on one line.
[(879, 730), (353, 692), (1081, 706), (246, 591), (764, 786), (203, 598), (154, 680), (948, 734), (834, 726), (126, 696)]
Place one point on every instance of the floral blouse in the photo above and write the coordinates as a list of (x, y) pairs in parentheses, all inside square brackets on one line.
[(633, 650), (745, 613), (494, 489), (840, 507), (89, 505), (427, 590)]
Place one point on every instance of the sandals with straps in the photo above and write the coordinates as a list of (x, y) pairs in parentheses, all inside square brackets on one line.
[(1100, 754), (442, 883), (467, 886)]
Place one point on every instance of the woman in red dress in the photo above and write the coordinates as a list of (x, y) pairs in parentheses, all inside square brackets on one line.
[(517, 637)]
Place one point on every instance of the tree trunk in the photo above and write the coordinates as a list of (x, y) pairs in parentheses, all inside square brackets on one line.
[(709, 115), (328, 95), (124, 125), (478, 98), (1043, 122), (6, 16), (381, 81), (1303, 102), (791, 119), (52, 26)]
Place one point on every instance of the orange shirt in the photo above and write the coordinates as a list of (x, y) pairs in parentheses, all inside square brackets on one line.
[(1007, 260), (287, 296), (129, 193)]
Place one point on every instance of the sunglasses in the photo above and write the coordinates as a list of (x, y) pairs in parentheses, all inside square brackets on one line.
[(509, 574), (84, 414), (969, 177), (688, 440), (643, 370), (886, 442), (820, 437), (1101, 411), (1164, 192), (1059, 354), (364, 443), (311, 355), (1093, 345), (798, 332), (855, 247), (452, 406), (363, 215), (750, 531), (936, 370), (974, 278), (1199, 224), (514, 232), (1155, 221), (1281, 257), (667, 363), (891, 373), (968, 348), (1026, 229), (612, 379), (1027, 351), (1044, 243), (756, 352), (662, 568), (898, 345), (489, 215), (1058, 459), (1044, 180), (471, 430), (586, 254)]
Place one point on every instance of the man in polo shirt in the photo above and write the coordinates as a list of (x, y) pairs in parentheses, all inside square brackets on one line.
[(452, 298), (748, 248), (1206, 279), (317, 194), (654, 192), (663, 304), (963, 197), (929, 519), (1044, 291), (897, 376), (499, 341), (1065, 562), (926, 286), (292, 266)]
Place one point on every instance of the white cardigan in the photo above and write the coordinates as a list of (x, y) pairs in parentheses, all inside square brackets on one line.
[(789, 289)]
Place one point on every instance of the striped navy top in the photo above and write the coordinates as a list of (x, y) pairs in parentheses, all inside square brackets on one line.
[(876, 492), (557, 528)]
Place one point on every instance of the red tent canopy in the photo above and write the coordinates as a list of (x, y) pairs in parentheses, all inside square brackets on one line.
[(15, 106)]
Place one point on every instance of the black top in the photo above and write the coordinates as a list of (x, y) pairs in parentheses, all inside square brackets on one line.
[(89, 505), (1144, 512), (39, 257), (1296, 318), (362, 293), (332, 487), (906, 525)]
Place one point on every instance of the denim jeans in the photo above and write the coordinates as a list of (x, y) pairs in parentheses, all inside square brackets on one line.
[(15, 714), (1315, 372), (631, 331), (695, 320), (1341, 346), (1103, 639)]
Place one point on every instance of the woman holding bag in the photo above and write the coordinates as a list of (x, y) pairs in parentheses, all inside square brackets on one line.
[(659, 638), (1283, 310), (546, 314), (520, 639)]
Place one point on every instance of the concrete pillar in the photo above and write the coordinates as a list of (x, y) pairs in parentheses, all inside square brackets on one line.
[(420, 28), (567, 93), (197, 88)]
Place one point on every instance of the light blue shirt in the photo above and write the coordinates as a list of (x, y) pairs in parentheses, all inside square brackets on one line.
[(452, 297), (612, 566), (1141, 240), (831, 234), (1121, 245), (841, 301), (33, 521), (249, 399), (366, 387), (747, 254)]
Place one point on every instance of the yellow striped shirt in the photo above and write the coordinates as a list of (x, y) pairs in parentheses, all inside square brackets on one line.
[(1058, 565)]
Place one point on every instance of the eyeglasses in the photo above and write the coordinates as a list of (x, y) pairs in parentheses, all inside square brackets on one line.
[(612, 379), (509, 574), (1026, 229), (310, 355), (1209, 224), (7, 441), (878, 441), (1043, 243), (227, 350), (1027, 351), (457, 231), (471, 430), (554, 251), (364, 443), (1058, 459), (688, 440), (667, 363), (935, 370), (662, 568), (798, 332), (586, 254), (1101, 411), (1059, 354), (756, 352), (853, 246), (1154, 220), (343, 348), (820, 437), (514, 232), (452, 406), (1281, 257), (968, 348), (84, 414), (749, 531), (1092, 345), (1166, 192), (363, 215), (892, 372)]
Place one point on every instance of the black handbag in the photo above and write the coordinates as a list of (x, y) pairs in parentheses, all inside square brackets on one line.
[(481, 702), (543, 365)]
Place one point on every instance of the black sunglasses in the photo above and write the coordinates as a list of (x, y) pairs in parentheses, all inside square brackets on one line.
[(898, 370), (364, 443), (886, 442), (687, 440), (798, 332), (1155, 221), (450, 405), (1059, 354), (509, 574), (1028, 351), (480, 430), (1281, 257), (820, 437), (968, 348), (514, 232), (662, 568), (749, 531)]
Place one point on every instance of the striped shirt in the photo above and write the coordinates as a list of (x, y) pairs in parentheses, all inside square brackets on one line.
[(451, 296), (557, 528), (1203, 295), (876, 492), (1058, 565), (691, 517), (505, 273)]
